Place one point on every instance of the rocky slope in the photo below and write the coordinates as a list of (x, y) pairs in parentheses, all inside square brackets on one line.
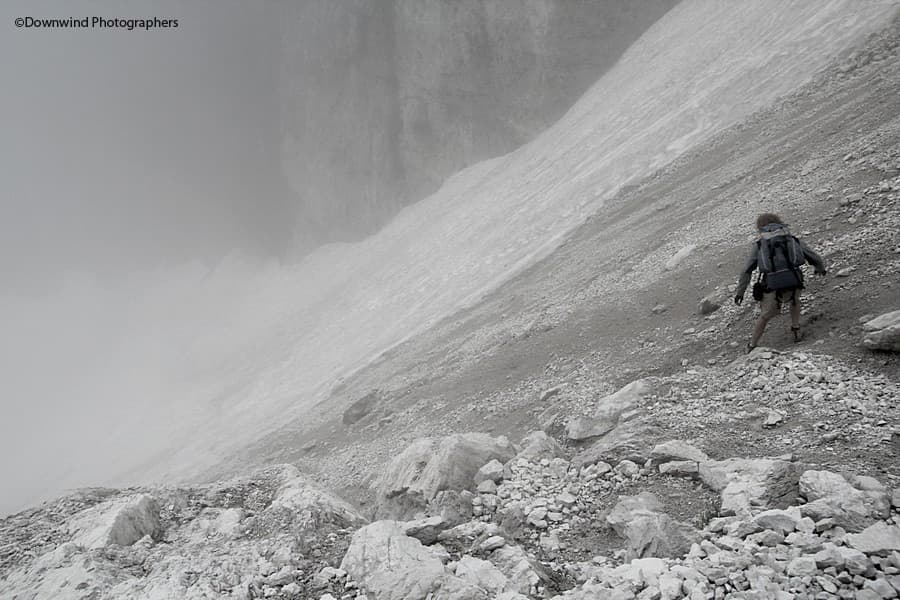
[(464, 525), (645, 455), (382, 101)]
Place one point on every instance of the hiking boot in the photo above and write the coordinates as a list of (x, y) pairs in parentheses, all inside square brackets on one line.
[(750, 347), (795, 329)]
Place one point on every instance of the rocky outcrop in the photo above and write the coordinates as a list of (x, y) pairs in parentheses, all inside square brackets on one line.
[(832, 496), (649, 531), (256, 536), (618, 428), (392, 565), (749, 484), (308, 505), (883, 333), (429, 466), (122, 522)]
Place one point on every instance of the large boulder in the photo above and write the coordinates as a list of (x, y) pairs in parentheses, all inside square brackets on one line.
[(878, 538), (360, 409), (609, 412), (883, 333), (649, 531), (482, 574), (677, 450), (121, 521), (390, 565), (750, 484), (309, 505), (618, 429), (524, 573), (831, 495), (429, 466), (537, 445)]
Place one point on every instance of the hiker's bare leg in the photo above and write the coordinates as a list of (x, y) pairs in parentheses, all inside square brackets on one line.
[(795, 314), (770, 308), (759, 329)]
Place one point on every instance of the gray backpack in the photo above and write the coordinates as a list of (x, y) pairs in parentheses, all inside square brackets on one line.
[(779, 259)]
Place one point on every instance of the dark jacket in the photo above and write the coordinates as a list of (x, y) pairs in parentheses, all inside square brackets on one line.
[(753, 259)]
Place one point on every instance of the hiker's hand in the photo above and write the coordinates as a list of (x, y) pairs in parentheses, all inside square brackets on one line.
[(738, 299)]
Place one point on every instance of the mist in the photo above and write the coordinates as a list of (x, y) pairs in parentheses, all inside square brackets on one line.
[(133, 164), (160, 304)]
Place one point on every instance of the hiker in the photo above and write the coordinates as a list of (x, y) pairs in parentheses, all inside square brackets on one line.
[(778, 255)]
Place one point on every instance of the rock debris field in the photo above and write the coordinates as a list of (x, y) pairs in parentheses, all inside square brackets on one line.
[(606, 507)]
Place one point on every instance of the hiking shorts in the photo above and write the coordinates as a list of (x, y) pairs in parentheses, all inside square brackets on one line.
[(772, 301)]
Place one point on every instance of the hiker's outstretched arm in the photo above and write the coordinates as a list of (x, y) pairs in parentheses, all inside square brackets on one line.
[(812, 258), (749, 267)]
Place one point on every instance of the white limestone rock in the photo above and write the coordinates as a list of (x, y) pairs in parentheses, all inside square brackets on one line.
[(883, 333), (121, 521)]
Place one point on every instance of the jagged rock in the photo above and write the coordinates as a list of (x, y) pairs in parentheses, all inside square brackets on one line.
[(487, 487), (492, 543), (832, 496), (359, 409), (627, 468), (878, 538), (309, 505), (492, 471), (426, 530), (390, 564), (482, 574), (680, 468), (708, 306), (619, 428), (883, 333), (608, 413), (322, 578), (452, 506), (537, 445), (782, 521), (802, 566), (451, 587), (649, 531), (677, 450), (522, 572), (121, 521), (429, 466), (747, 483)]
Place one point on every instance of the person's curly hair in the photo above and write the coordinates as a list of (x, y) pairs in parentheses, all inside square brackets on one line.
[(767, 219)]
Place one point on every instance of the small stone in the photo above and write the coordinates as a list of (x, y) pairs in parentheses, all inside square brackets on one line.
[(492, 543), (487, 487), (803, 566)]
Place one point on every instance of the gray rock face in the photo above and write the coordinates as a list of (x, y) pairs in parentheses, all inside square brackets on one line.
[(618, 427), (750, 484), (832, 496), (677, 450), (538, 444), (382, 101), (878, 538), (429, 466), (121, 521), (390, 564), (883, 333), (309, 505), (650, 532)]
